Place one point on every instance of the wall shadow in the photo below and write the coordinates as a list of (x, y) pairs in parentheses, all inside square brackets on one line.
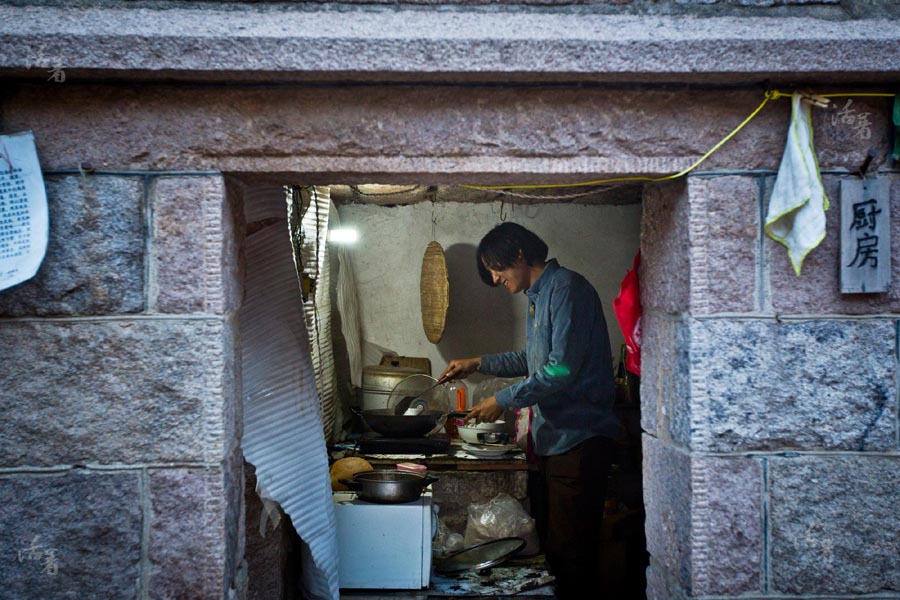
[(480, 318)]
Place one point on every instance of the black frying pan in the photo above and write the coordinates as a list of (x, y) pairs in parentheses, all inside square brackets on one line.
[(388, 424)]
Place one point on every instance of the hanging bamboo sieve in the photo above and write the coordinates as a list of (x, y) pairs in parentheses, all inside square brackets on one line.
[(435, 292)]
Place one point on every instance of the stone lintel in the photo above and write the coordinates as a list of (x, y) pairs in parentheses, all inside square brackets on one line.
[(460, 45)]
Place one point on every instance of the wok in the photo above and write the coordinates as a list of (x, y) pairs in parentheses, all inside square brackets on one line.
[(388, 486), (388, 424)]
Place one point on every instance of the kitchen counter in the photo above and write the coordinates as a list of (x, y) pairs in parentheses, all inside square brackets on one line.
[(462, 479), (455, 460)]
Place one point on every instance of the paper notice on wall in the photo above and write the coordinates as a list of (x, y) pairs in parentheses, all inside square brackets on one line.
[(23, 210)]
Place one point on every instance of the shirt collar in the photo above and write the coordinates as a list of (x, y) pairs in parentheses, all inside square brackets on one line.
[(547, 274)]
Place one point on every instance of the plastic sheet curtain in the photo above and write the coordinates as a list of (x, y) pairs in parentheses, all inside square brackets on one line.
[(282, 415), (308, 210)]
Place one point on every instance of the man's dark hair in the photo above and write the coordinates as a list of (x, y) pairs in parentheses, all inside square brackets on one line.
[(500, 249)]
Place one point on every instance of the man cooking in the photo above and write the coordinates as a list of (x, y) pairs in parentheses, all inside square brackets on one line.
[(569, 384)]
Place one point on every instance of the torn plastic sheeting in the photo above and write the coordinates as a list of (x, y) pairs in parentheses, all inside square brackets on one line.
[(282, 422)]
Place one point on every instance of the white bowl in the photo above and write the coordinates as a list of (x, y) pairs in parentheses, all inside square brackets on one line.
[(482, 435)]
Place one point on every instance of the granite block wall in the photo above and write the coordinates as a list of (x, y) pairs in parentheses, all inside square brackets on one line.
[(770, 402), (120, 468)]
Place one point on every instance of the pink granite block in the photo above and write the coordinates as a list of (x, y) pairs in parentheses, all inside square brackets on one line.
[(187, 534), (192, 240), (724, 226), (665, 259), (727, 526)]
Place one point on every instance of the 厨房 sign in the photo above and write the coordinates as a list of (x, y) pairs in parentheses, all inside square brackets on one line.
[(865, 236)]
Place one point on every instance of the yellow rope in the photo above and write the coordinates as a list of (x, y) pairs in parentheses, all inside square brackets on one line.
[(770, 95)]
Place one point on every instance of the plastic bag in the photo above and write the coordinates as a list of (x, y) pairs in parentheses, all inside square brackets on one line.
[(501, 517), (446, 540), (627, 306)]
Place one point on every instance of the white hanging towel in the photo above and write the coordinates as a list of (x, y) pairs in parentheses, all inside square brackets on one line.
[(796, 215)]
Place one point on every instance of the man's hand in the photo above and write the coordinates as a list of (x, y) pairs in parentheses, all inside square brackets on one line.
[(461, 368), (486, 412)]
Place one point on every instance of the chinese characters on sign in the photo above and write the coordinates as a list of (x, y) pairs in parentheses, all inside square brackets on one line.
[(865, 236)]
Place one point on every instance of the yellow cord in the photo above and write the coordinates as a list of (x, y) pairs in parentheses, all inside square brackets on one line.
[(770, 95)]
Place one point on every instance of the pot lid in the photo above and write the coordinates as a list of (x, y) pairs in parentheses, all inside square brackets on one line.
[(482, 556)]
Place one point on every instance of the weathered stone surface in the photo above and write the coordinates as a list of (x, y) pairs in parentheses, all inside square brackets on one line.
[(667, 501), (268, 555), (189, 245), (818, 289), (665, 379), (187, 534), (665, 260), (727, 526), (388, 131), (235, 515), (811, 385), (724, 226), (408, 45), (834, 524), (661, 585), (455, 491), (846, 131), (111, 392), (94, 263), (71, 535)]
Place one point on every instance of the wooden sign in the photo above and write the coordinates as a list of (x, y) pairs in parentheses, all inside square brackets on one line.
[(865, 236)]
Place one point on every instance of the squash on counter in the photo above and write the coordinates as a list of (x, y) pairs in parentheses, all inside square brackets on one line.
[(346, 468)]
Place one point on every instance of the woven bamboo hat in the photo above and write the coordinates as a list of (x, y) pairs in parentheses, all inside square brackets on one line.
[(434, 291)]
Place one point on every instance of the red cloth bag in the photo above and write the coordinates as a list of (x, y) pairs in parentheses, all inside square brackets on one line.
[(627, 306)]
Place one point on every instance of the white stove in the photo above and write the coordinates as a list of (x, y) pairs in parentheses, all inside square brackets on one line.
[(383, 546)]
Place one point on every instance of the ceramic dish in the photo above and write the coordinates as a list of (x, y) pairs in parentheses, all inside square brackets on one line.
[(489, 451)]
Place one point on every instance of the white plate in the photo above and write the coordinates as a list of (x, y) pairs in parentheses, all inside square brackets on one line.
[(489, 451)]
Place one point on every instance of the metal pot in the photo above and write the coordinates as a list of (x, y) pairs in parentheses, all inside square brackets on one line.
[(388, 424), (388, 486), (379, 380)]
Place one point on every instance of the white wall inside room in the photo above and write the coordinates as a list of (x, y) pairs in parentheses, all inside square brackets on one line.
[(598, 241)]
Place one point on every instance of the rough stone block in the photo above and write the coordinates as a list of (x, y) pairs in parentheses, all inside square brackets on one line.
[(724, 230), (70, 535), (834, 524), (667, 501), (455, 491), (810, 385), (661, 585), (665, 380), (665, 259), (191, 253), (818, 289), (187, 535), (95, 253), (112, 392), (727, 526)]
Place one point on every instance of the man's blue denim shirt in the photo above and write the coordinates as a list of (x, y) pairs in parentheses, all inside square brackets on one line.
[(567, 361)]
